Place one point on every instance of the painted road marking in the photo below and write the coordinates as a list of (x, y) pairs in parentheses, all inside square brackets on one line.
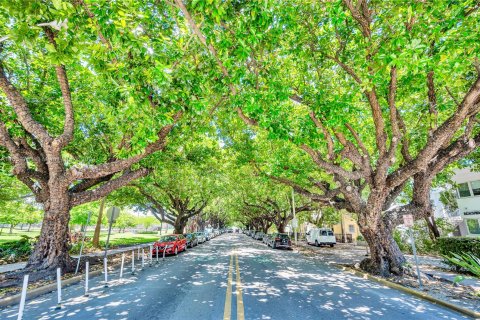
[(228, 297), (238, 284)]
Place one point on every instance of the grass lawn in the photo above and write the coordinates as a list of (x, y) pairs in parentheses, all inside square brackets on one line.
[(17, 234), (127, 239), (116, 238)]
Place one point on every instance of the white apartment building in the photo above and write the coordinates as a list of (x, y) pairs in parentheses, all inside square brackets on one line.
[(468, 200)]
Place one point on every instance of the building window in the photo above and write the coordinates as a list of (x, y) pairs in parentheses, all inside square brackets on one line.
[(475, 187), (351, 228), (473, 226), (464, 190)]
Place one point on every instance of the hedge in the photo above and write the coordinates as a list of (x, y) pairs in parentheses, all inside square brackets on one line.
[(458, 245)]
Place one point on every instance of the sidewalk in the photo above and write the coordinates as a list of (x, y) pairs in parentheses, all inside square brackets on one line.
[(347, 253), (20, 265)]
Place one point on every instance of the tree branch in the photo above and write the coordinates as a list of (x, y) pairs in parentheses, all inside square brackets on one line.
[(22, 111), (98, 171), (92, 195)]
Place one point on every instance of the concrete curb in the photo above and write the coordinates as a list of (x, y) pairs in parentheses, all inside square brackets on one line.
[(424, 296)]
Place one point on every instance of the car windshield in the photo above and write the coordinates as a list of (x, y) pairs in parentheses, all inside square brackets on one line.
[(189, 235), (282, 236), (330, 233), (167, 238)]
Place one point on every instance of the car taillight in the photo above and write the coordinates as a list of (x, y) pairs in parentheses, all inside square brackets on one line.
[(277, 239), (289, 242)]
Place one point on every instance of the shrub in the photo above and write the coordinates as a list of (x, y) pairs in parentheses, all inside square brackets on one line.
[(449, 247), (467, 261), (17, 250), (402, 241), (458, 245)]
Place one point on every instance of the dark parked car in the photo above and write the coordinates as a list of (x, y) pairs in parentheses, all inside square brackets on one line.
[(192, 240), (280, 240)]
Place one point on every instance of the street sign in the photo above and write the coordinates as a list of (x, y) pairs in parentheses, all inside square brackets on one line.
[(112, 214), (408, 220), (295, 223)]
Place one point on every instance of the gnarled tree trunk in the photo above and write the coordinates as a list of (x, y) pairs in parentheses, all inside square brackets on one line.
[(51, 250), (385, 255)]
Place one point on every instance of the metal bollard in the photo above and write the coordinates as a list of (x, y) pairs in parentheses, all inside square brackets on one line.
[(165, 249), (143, 259), (157, 254), (133, 261), (151, 258), (23, 297), (59, 289), (105, 270), (86, 278), (121, 266), (138, 252)]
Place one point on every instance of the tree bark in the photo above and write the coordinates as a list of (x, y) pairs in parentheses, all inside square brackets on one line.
[(11, 229), (51, 250), (432, 227), (96, 234), (385, 255)]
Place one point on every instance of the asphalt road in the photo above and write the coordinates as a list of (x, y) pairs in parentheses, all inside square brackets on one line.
[(234, 277)]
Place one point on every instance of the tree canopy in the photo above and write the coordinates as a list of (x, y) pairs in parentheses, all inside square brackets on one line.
[(217, 109)]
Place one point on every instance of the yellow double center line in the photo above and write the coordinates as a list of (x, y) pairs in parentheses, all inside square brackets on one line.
[(227, 314)]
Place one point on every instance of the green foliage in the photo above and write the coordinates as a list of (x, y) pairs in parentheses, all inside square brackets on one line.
[(79, 214), (458, 245), (423, 241), (448, 199), (467, 261), (147, 222), (126, 220), (17, 250)]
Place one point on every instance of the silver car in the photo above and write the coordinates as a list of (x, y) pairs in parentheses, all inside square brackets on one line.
[(200, 237)]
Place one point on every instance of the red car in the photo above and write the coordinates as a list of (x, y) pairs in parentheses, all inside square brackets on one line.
[(174, 243)]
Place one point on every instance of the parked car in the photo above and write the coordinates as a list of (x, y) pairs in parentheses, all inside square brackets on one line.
[(192, 240), (259, 235), (200, 237), (229, 230), (208, 235), (266, 238), (321, 236), (172, 244), (279, 240)]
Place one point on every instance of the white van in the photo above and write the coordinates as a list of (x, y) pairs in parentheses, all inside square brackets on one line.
[(321, 236)]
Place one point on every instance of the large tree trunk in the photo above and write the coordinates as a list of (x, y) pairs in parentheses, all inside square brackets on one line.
[(180, 224), (281, 227), (385, 255), (178, 228), (51, 250), (96, 234)]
